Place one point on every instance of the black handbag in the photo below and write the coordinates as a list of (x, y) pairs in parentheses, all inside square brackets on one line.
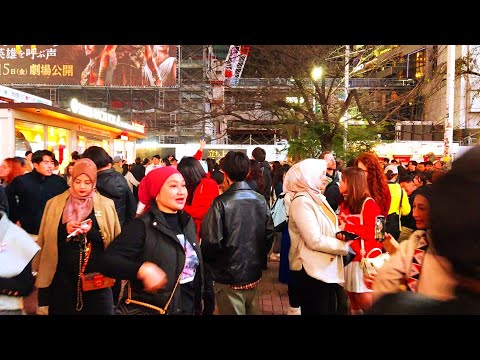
[(129, 306), (347, 259)]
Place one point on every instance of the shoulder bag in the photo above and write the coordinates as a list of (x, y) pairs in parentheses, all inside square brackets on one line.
[(370, 265), (142, 308), (90, 281), (279, 213)]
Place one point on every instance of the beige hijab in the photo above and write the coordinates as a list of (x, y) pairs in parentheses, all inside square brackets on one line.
[(308, 175), (79, 207)]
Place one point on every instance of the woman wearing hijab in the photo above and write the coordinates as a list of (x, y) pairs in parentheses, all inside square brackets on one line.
[(315, 255), (65, 240), (158, 252)]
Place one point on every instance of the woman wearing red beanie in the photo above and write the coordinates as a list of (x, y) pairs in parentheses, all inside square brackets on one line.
[(158, 252)]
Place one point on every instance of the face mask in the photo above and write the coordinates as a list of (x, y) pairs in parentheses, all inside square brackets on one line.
[(55, 172)]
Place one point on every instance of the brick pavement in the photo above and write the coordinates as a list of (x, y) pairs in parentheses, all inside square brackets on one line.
[(273, 294)]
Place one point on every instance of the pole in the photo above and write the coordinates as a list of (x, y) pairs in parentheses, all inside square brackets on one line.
[(347, 80), (450, 105)]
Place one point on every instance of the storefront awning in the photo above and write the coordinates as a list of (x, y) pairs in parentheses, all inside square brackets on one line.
[(61, 114)]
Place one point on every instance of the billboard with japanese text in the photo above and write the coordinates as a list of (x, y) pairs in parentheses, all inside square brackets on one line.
[(89, 65)]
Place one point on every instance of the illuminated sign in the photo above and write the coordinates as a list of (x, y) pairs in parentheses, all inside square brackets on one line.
[(90, 130), (9, 94), (217, 154), (89, 65), (78, 108)]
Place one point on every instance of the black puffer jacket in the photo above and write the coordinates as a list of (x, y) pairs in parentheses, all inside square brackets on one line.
[(149, 238), (113, 185), (233, 234)]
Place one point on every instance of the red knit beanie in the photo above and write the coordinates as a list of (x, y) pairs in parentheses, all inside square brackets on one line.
[(151, 184)]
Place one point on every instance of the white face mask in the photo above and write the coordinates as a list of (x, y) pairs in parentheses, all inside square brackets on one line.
[(55, 172)]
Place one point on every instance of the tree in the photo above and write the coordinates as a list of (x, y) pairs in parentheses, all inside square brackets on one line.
[(313, 111)]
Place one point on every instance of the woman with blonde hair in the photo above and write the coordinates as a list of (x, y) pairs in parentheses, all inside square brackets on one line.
[(315, 255)]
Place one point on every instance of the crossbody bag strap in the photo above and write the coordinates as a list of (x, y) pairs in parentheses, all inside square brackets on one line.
[(129, 299), (401, 199), (361, 211), (297, 196), (85, 251)]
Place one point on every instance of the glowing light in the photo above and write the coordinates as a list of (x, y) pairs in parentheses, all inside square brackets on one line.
[(317, 73)]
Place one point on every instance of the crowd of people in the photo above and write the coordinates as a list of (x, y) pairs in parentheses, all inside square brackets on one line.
[(163, 236)]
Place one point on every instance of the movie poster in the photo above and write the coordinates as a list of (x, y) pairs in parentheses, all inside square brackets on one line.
[(89, 65)]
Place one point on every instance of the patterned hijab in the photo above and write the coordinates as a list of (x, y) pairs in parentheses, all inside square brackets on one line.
[(79, 207), (307, 175)]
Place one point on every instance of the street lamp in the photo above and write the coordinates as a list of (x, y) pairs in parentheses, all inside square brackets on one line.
[(317, 73)]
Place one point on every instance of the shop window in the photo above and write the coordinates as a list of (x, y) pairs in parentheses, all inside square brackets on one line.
[(84, 142), (58, 142), (81, 144), (28, 136), (420, 64)]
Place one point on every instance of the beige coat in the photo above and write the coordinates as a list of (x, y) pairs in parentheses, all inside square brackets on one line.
[(313, 242), (45, 262), (436, 278)]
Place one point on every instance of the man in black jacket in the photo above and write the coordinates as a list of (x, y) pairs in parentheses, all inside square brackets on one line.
[(112, 184), (28, 194), (260, 154), (233, 235), (138, 171)]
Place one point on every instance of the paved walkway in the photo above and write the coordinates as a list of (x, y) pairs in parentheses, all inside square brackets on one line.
[(273, 294)]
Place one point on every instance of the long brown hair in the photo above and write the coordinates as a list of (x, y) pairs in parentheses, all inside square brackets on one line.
[(377, 181), (357, 189), (255, 174), (16, 169)]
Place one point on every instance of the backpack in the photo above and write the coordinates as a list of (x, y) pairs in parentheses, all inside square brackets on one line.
[(279, 213)]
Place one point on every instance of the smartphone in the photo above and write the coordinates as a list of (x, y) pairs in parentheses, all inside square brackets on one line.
[(380, 228), (349, 235)]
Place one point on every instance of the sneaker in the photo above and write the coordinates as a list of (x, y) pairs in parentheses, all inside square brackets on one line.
[(294, 311)]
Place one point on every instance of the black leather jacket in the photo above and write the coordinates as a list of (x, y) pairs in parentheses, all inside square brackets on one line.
[(233, 235)]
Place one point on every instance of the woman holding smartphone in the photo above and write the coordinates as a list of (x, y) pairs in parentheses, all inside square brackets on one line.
[(357, 215), (76, 228)]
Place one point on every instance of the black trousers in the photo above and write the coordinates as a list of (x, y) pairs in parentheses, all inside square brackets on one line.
[(116, 291), (208, 294), (317, 297)]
